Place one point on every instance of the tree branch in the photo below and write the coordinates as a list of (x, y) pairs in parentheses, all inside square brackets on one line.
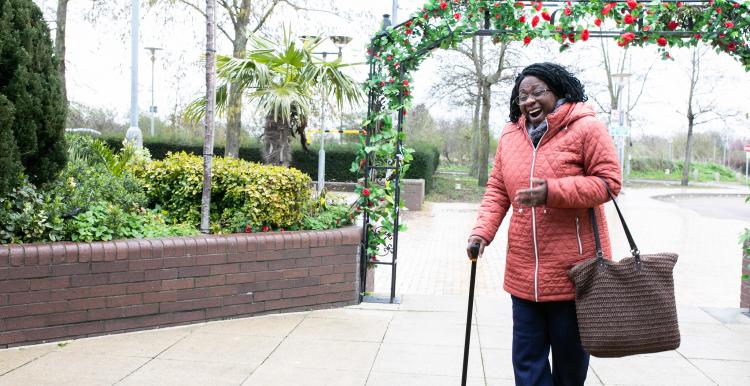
[(199, 10), (263, 18)]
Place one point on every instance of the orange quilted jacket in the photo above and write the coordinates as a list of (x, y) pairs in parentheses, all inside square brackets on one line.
[(545, 242)]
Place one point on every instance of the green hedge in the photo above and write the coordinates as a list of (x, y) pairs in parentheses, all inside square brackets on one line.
[(242, 193), (339, 158)]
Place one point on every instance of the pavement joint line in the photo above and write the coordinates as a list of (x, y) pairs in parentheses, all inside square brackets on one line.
[(696, 367), (475, 320), (154, 357), (26, 363), (382, 340), (276, 348)]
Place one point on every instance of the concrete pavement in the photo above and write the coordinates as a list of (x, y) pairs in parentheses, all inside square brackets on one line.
[(420, 340)]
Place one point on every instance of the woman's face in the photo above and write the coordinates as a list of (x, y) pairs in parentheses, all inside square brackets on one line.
[(535, 99)]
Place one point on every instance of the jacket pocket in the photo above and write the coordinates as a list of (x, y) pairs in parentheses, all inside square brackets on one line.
[(578, 236)]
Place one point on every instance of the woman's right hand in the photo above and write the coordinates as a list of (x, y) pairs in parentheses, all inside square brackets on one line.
[(475, 240)]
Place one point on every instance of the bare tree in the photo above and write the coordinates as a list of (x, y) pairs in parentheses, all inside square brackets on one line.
[(471, 84), (243, 18), (208, 141)]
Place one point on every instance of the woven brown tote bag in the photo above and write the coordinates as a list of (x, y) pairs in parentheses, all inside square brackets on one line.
[(626, 307)]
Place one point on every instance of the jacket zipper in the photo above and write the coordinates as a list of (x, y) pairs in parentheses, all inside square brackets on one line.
[(578, 236), (533, 217)]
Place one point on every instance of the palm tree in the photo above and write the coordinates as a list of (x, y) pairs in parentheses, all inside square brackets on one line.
[(281, 79)]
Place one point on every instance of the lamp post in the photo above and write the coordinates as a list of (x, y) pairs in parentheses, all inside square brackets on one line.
[(152, 108), (340, 41), (134, 133), (621, 131)]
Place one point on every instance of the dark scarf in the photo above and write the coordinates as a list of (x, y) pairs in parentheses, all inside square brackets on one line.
[(536, 133)]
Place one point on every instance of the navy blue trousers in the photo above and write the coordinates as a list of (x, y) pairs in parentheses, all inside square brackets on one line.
[(539, 327)]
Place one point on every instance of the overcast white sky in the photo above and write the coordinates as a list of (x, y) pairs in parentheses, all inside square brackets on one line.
[(98, 65)]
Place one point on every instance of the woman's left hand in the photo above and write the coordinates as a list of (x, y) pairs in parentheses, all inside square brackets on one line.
[(535, 196)]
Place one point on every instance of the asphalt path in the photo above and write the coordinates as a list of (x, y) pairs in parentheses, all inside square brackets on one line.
[(716, 206)]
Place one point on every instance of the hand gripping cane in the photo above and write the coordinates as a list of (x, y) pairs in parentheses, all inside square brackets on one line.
[(474, 251)]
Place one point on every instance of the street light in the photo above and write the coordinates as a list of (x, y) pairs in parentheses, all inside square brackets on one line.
[(622, 130), (134, 134), (152, 108), (340, 41)]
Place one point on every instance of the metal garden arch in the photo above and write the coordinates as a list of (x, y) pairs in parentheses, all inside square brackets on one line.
[(397, 50)]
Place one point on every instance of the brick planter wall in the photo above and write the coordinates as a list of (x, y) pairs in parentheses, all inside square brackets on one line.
[(57, 291), (745, 284)]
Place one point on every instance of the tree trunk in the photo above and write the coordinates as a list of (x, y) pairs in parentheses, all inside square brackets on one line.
[(688, 149), (475, 133), (695, 62), (62, 16), (484, 138), (208, 141), (240, 19), (277, 147)]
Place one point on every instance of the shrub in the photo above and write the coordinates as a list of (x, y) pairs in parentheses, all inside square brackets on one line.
[(28, 215), (104, 221), (339, 158), (426, 160), (10, 162), (30, 83), (241, 193)]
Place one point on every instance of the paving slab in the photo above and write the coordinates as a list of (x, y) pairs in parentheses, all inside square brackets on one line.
[(296, 376), (641, 370), (177, 373), (391, 379), (425, 359), (270, 325), (237, 349), (59, 368), (145, 344), (16, 357), (324, 354)]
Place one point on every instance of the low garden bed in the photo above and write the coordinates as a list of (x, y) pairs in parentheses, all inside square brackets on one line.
[(65, 290)]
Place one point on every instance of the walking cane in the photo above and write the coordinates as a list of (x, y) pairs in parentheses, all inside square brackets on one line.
[(474, 251)]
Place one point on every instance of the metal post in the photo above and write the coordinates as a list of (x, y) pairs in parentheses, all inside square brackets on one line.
[(152, 108), (322, 152), (394, 14), (134, 134)]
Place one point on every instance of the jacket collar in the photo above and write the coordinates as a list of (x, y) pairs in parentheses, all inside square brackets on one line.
[(559, 119)]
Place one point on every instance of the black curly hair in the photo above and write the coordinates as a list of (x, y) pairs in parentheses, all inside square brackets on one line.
[(560, 81)]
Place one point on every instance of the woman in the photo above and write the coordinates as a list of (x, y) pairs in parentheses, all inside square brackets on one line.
[(552, 161)]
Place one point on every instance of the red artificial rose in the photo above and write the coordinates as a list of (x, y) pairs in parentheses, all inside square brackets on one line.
[(698, 36), (538, 6), (729, 24), (408, 23), (608, 8), (248, 229), (735, 5), (621, 43), (646, 27), (519, 4), (426, 16), (572, 37), (535, 21), (497, 16), (526, 40), (366, 192), (667, 55), (265, 228), (718, 10), (389, 58), (672, 25), (546, 16), (679, 4), (457, 16), (628, 36), (632, 4), (598, 22), (522, 19), (568, 11), (408, 31), (628, 19), (662, 41), (443, 5), (585, 35), (732, 47), (721, 36), (406, 83)]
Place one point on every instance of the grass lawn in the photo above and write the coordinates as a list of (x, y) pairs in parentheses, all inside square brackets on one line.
[(454, 188)]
